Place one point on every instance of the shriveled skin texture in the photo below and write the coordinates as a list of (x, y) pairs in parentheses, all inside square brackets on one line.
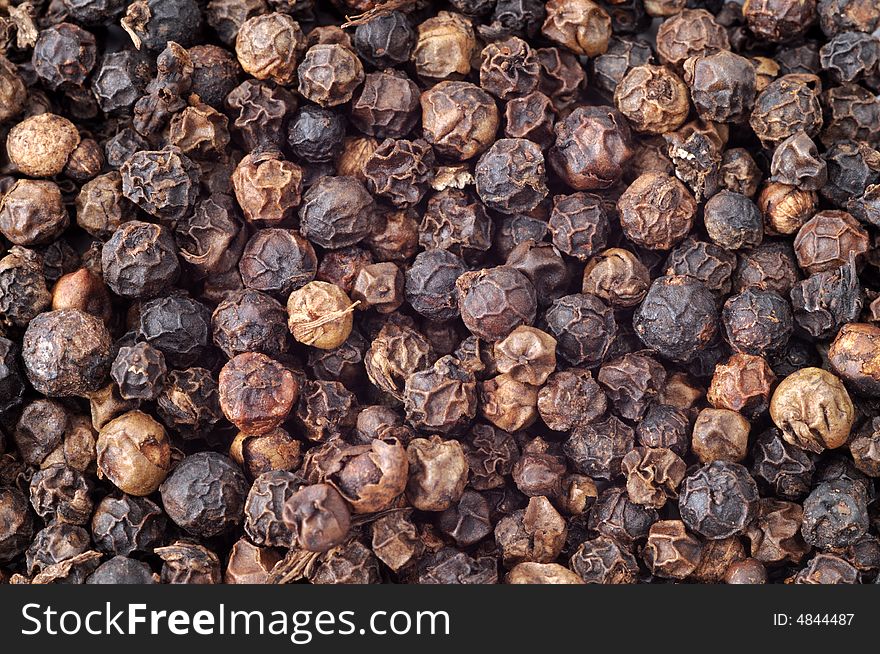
[(718, 500), (452, 131), (66, 353), (140, 260), (329, 74), (134, 452), (671, 551), (250, 321), (41, 145), (163, 183), (778, 20), (592, 147), (653, 98), (510, 176), (656, 211), (374, 475), (256, 392), (603, 560), (813, 410), (496, 301), (205, 494), (268, 47), (268, 189), (855, 356), (691, 32), (264, 509), (788, 105), (441, 398), (438, 473)]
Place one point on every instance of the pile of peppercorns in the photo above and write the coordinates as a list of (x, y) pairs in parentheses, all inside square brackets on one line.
[(477, 291)]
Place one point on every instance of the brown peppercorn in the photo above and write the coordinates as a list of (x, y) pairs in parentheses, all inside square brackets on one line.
[(632, 382), (865, 448), (743, 384), (139, 371), (592, 148), (372, 476), (13, 94), (320, 315), (336, 212), (395, 539), (788, 105), (532, 573), (617, 277), (438, 473), (41, 145), (569, 398), (509, 68), (400, 171), (775, 535), (66, 353), (199, 131), (100, 206), (747, 571), (256, 392), (855, 355), (249, 564), (442, 398), (785, 208), (720, 435), (82, 290), (394, 354), (134, 453), (739, 172), (508, 403), (60, 493), (582, 26), (495, 301), (692, 32), (379, 286), (828, 239), (653, 98), (32, 212), (536, 534), (603, 560), (387, 105), (273, 451), (539, 471), (531, 117), (267, 188), (329, 74), (445, 47), (652, 475), (355, 150), (718, 556), (459, 119), (318, 517), (813, 410), (527, 354), (656, 211), (671, 551), (796, 162), (779, 20), (269, 46)]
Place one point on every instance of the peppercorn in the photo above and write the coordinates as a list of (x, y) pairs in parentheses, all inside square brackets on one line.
[(385, 40), (277, 261), (653, 98), (677, 318), (733, 505), (127, 524), (400, 171), (269, 47), (256, 392), (582, 26), (139, 260), (787, 106), (592, 148), (827, 240), (444, 47), (785, 208), (41, 145), (185, 562), (317, 516), (813, 410), (267, 188), (66, 353)]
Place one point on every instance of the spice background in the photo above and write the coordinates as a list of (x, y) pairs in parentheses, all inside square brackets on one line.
[(478, 291)]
